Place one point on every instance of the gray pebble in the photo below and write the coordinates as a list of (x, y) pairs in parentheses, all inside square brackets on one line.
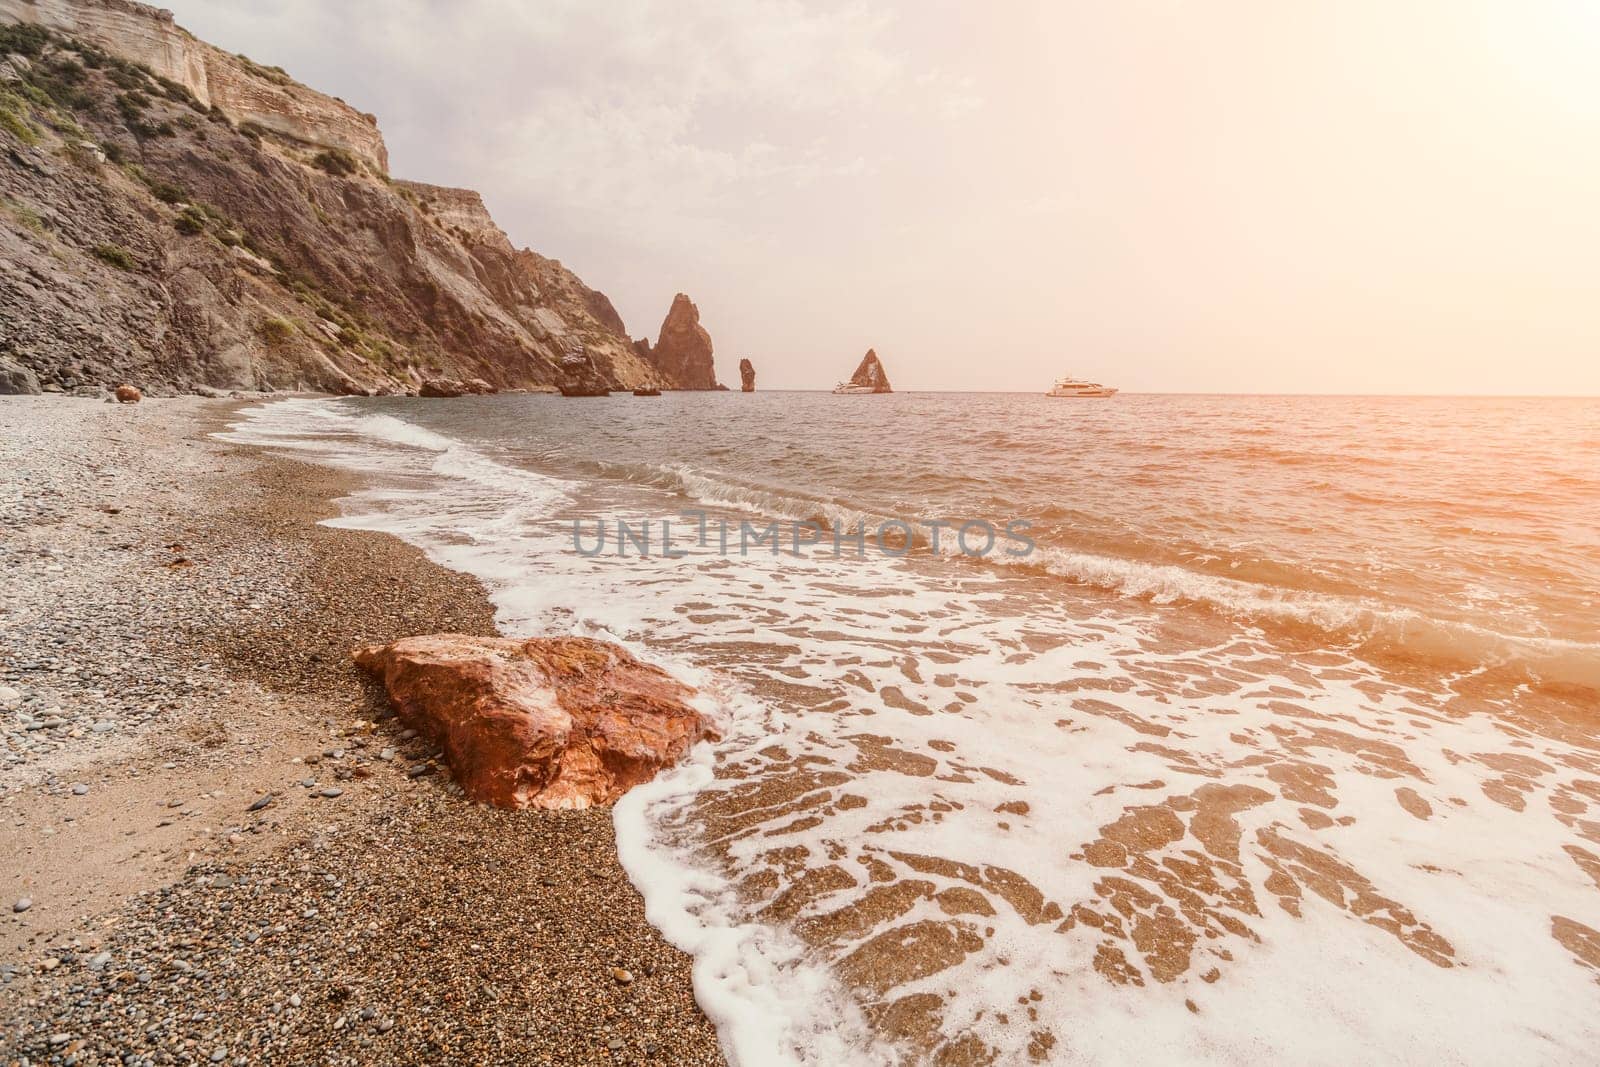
[(22, 905)]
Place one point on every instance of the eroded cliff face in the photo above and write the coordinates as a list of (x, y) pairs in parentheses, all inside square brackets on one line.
[(252, 242), (243, 89)]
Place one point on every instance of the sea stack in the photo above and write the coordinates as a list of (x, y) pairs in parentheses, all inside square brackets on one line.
[(747, 376), (868, 378), (683, 351)]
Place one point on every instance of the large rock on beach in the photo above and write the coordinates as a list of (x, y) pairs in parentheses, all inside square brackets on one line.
[(563, 722), (683, 352), (17, 380), (128, 394)]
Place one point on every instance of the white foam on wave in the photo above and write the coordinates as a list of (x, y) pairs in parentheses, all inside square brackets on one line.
[(771, 1005), (1362, 623), (1376, 627)]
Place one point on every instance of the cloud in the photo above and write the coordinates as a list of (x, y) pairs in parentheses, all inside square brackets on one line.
[(659, 118)]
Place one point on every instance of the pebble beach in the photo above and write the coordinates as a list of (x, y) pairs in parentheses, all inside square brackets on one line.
[(224, 847)]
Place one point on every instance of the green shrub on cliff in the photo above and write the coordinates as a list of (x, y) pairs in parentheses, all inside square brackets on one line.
[(276, 331), (117, 256), (132, 104), (338, 162), (13, 112), (23, 40), (190, 221), (168, 193), (27, 217)]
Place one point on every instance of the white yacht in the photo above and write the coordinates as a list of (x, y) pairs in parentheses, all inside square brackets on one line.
[(851, 389), (1078, 387)]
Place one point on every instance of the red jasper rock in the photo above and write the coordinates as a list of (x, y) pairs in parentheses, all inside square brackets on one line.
[(563, 722)]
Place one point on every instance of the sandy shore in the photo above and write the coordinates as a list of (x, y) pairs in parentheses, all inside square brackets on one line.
[(224, 849)]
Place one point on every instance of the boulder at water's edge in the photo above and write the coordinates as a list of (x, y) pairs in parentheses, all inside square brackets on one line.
[(564, 722)]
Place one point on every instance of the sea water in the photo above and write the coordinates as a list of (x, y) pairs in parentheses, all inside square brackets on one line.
[(1272, 732)]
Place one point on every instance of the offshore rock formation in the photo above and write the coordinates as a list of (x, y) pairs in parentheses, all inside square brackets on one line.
[(870, 375), (184, 219), (683, 351), (542, 723), (747, 376)]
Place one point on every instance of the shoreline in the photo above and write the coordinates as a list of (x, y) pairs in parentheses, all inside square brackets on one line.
[(185, 624)]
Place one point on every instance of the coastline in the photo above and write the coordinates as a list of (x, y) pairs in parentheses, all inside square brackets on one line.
[(181, 634)]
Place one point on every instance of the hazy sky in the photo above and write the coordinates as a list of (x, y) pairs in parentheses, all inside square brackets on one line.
[(1277, 195)]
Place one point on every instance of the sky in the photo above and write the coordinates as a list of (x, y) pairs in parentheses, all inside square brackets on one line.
[(1366, 196)]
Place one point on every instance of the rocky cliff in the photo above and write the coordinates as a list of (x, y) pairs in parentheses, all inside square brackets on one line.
[(179, 217), (747, 376), (247, 91)]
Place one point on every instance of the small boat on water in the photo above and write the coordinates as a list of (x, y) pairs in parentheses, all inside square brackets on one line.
[(1078, 387), (647, 390)]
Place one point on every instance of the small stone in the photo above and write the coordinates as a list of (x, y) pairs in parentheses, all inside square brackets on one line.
[(50, 963), (330, 792), (420, 770), (294, 1000), (625, 977), (219, 1055), (22, 905), (385, 1025), (9, 696), (260, 802), (80, 790), (99, 962), (60, 1039)]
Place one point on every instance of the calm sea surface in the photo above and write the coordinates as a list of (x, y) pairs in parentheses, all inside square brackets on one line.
[(1273, 730)]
